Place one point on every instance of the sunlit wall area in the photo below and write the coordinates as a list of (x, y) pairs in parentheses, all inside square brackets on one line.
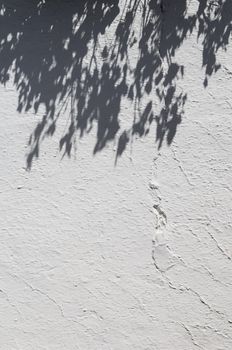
[(116, 175)]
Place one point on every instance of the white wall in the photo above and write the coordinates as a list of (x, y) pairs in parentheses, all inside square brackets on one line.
[(128, 255)]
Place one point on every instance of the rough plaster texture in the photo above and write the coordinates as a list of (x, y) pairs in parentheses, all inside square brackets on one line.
[(132, 255)]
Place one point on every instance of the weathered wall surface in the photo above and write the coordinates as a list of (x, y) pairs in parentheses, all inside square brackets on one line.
[(121, 238)]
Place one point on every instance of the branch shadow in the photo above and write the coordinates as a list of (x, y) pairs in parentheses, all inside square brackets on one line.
[(58, 56)]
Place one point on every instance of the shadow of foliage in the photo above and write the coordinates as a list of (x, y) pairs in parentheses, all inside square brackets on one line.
[(60, 56)]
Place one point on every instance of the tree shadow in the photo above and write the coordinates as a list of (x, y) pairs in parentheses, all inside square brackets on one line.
[(58, 55)]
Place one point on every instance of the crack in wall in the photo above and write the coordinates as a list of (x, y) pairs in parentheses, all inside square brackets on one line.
[(54, 302), (222, 250), (184, 172), (191, 336), (10, 302)]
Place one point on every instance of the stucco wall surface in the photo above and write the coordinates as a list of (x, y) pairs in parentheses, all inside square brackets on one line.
[(116, 175)]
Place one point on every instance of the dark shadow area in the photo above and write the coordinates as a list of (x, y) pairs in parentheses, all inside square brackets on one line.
[(58, 55)]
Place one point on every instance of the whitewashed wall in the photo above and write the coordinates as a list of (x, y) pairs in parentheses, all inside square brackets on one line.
[(104, 254)]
